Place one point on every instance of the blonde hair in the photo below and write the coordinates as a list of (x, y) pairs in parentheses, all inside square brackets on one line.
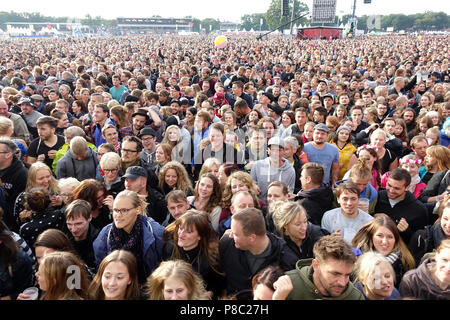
[(283, 213), (5, 125), (32, 171), (242, 176), (367, 266), (136, 199), (110, 159), (208, 164), (180, 270), (70, 182), (442, 155)]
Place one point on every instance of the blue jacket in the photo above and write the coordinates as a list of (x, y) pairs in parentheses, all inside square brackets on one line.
[(152, 245), (17, 278)]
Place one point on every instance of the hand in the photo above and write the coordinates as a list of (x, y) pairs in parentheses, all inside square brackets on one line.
[(402, 225), (51, 154), (226, 233), (24, 214), (109, 200), (56, 201), (41, 158), (373, 126), (5, 298), (337, 232), (283, 286), (23, 296)]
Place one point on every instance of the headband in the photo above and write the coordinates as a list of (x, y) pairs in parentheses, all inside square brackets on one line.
[(365, 146), (416, 161)]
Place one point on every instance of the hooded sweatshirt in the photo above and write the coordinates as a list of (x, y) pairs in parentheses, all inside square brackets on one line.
[(68, 166), (316, 202), (418, 283), (263, 173), (305, 289)]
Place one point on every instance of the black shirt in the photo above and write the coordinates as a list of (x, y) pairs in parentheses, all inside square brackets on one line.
[(37, 147)]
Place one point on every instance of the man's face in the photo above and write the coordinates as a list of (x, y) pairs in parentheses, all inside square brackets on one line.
[(258, 140), (283, 102), (332, 275), (357, 116), (241, 241), (133, 85), (345, 100), (322, 86), (52, 96), (116, 82), (408, 116), (320, 136), (78, 227), (301, 118), (45, 131), (136, 185), (275, 153), (237, 91), (100, 115), (175, 108), (138, 122), (26, 108), (129, 151), (389, 126), (367, 98), (111, 136), (396, 189), (288, 151), (177, 209), (420, 149), (349, 202), (241, 202), (3, 108), (148, 141)]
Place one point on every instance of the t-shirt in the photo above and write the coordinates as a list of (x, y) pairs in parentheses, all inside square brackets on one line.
[(117, 93), (326, 157), (37, 147), (333, 220)]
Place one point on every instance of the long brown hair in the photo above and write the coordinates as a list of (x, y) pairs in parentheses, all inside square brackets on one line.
[(128, 259), (209, 241), (363, 239), (216, 196)]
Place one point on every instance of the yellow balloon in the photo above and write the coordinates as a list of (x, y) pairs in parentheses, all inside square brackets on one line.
[(221, 42), (419, 38), (350, 35)]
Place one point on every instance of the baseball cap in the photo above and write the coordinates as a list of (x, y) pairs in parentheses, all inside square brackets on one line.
[(147, 131), (277, 109), (37, 97), (135, 172), (324, 81), (276, 141), (268, 95), (184, 101), (322, 127), (25, 100), (51, 80)]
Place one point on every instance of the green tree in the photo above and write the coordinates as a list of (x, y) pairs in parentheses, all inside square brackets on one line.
[(210, 25), (273, 14), (253, 21)]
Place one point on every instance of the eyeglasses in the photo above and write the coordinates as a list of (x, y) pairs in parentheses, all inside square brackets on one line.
[(123, 211), (65, 195), (110, 170), (146, 139), (128, 150)]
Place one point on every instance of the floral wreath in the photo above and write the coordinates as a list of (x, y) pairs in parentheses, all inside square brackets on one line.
[(416, 161), (365, 146)]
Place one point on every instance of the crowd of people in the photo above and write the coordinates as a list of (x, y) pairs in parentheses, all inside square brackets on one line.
[(165, 168)]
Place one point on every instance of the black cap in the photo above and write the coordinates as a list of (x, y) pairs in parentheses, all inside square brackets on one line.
[(40, 78), (141, 112), (268, 95), (175, 101), (146, 131), (184, 101), (328, 95), (172, 120), (131, 98), (277, 109), (176, 88), (135, 172)]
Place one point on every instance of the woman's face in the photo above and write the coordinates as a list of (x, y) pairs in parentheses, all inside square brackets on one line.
[(423, 127), (76, 108), (188, 237), (412, 168), (114, 117), (398, 129), (216, 137), (205, 187), (43, 178), (435, 119), (383, 240), (175, 289), (171, 178), (309, 131), (126, 219), (214, 169), (424, 101), (367, 157), (275, 193), (160, 157), (222, 176), (253, 115), (431, 137), (296, 229), (343, 136), (445, 222), (286, 120), (172, 135), (189, 116), (381, 284), (367, 117), (41, 252), (340, 113), (63, 122), (378, 140), (229, 120), (430, 160), (115, 280), (42, 280), (238, 185)]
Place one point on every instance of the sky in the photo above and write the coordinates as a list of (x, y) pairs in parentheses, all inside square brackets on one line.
[(224, 10)]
